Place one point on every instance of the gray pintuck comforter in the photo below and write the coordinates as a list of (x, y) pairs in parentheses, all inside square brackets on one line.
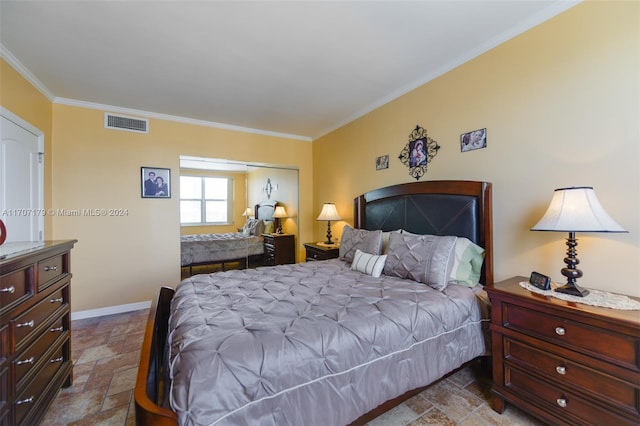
[(311, 344)]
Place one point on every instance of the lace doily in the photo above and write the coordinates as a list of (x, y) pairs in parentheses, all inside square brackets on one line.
[(594, 298)]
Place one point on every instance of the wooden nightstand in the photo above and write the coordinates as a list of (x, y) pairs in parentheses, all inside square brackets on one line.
[(318, 252), (279, 249), (566, 363)]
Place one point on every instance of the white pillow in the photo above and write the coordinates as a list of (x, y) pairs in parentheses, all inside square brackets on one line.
[(368, 263)]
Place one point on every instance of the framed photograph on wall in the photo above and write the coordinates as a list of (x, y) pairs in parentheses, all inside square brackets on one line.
[(156, 182), (382, 162), (473, 140)]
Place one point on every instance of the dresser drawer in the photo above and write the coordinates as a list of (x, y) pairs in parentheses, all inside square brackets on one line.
[(24, 325), (565, 373), (32, 358), (48, 270), (617, 348), (30, 397), (15, 287), (562, 404)]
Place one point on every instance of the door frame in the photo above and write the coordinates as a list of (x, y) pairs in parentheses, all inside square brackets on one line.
[(17, 120)]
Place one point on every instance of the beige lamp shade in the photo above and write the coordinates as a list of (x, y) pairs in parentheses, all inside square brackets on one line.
[(248, 212), (280, 212), (329, 212), (576, 209)]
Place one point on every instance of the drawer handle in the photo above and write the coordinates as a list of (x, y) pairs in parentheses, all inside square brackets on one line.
[(54, 360), (25, 361), (50, 268), (561, 369), (560, 331), (59, 300), (561, 402), (26, 324), (10, 289), (53, 330), (25, 401)]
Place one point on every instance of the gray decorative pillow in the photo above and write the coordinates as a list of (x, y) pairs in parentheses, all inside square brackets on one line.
[(258, 228), (253, 227), (424, 258), (354, 239)]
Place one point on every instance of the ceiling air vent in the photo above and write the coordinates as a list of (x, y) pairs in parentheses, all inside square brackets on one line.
[(122, 122)]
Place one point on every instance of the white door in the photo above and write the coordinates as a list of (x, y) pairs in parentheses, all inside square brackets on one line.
[(21, 179)]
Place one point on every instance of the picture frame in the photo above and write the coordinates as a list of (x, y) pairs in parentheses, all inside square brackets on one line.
[(418, 152), (155, 182), (382, 162), (475, 139)]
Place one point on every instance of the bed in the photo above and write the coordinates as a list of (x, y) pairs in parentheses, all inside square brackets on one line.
[(245, 246), (294, 344)]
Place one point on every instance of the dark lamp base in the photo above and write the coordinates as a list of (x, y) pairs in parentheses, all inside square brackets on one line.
[(573, 289)]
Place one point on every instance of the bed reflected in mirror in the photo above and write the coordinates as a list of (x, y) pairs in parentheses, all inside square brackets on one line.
[(226, 207)]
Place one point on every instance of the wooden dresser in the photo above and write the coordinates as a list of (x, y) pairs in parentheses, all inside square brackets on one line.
[(565, 363), (279, 249), (35, 331)]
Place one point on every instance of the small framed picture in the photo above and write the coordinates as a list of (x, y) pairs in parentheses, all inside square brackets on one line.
[(382, 162), (156, 182), (473, 140)]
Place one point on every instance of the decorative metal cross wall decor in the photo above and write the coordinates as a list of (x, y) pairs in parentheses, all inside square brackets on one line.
[(418, 152)]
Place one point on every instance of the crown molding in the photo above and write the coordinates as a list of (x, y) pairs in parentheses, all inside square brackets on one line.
[(24, 72), (184, 120)]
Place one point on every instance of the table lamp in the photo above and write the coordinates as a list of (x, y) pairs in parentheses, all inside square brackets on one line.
[(575, 209), (248, 212), (279, 214), (329, 213)]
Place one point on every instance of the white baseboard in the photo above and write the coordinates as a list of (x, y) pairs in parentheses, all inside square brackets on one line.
[(110, 310)]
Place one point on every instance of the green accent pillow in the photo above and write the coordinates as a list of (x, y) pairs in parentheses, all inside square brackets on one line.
[(467, 263)]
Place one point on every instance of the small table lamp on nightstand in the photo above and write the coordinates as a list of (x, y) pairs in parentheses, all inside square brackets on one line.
[(279, 214), (329, 213), (575, 209)]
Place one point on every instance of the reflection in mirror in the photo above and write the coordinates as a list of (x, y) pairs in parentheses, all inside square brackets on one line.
[(227, 206)]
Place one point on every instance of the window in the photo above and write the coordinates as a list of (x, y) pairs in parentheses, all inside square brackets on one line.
[(206, 200)]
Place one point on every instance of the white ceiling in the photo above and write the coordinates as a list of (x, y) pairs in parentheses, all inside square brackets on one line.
[(298, 68)]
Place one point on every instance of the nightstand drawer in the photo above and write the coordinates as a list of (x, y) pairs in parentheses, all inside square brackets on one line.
[(565, 373), (562, 404), (618, 348), (318, 252)]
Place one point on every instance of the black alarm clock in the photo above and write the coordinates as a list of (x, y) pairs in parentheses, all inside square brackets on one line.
[(543, 282)]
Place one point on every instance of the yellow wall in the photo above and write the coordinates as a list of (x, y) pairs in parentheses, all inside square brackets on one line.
[(22, 99), (561, 107), (124, 259)]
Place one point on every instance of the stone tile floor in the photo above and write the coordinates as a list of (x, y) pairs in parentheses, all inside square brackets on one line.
[(106, 350)]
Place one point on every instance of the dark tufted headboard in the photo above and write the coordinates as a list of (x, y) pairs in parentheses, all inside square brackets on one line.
[(459, 208)]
